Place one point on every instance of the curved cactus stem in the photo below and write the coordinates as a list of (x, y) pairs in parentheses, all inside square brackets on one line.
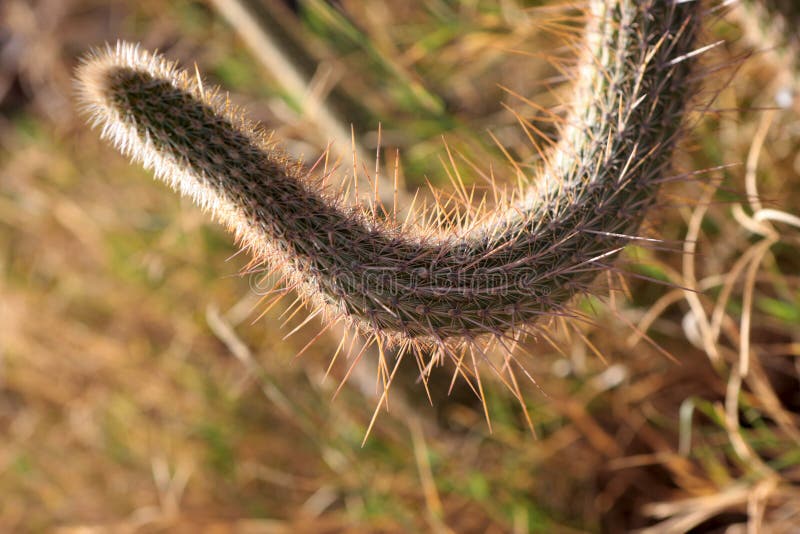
[(497, 272)]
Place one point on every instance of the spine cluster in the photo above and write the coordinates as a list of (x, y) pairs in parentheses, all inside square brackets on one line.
[(495, 273)]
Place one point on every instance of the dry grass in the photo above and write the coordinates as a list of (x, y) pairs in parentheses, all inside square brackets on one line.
[(137, 394)]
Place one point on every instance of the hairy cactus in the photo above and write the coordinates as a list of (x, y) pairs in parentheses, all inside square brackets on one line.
[(495, 273)]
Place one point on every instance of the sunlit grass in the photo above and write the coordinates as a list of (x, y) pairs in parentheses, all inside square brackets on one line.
[(125, 401)]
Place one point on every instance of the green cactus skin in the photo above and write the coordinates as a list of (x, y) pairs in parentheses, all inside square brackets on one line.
[(494, 275)]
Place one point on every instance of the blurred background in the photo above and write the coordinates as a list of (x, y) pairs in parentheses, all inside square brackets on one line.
[(140, 391)]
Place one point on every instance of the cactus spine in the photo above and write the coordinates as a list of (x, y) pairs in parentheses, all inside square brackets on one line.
[(495, 273)]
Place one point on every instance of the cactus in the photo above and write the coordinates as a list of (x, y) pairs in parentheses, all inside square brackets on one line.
[(495, 272)]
